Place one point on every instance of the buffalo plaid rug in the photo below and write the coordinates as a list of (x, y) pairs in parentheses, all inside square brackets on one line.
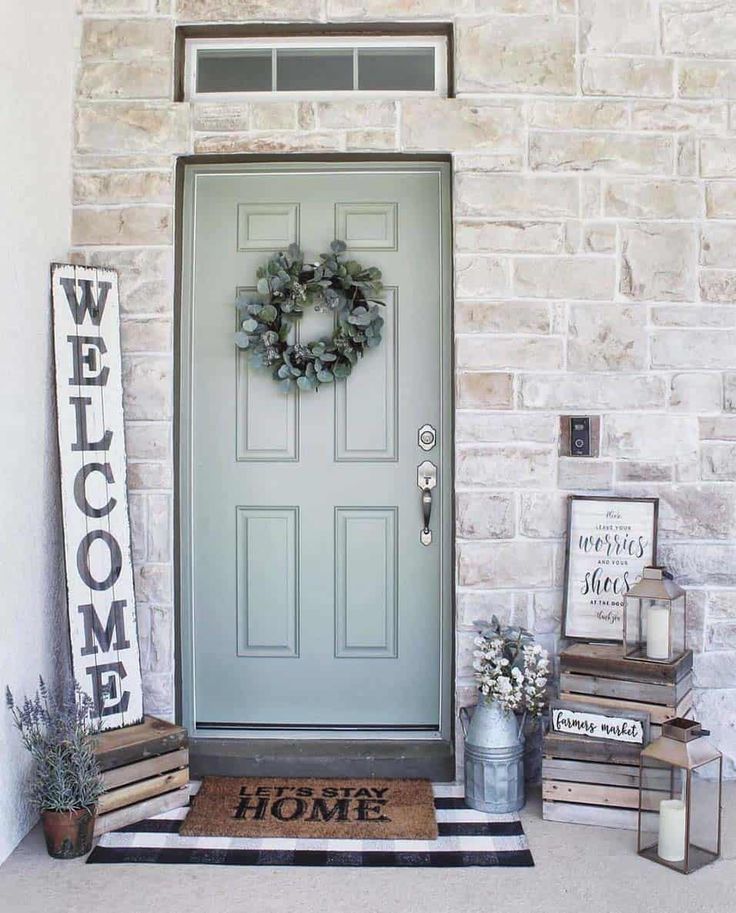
[(466, 838)]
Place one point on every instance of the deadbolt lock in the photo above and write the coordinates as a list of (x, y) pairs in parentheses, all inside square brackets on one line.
[(426, 437)]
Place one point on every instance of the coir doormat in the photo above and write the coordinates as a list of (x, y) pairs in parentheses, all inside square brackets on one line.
[(320, 809)]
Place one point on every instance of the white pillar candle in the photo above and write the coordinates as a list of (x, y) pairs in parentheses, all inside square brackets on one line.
[(658, 632), (671, 830)]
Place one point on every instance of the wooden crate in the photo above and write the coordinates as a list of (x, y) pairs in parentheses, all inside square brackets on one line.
[(145, 770), (585, 781)]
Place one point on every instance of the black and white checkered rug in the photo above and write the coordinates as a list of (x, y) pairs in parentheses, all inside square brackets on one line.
[(466, 838)]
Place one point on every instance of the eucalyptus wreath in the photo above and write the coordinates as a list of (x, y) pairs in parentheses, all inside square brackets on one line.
[(286, 287)]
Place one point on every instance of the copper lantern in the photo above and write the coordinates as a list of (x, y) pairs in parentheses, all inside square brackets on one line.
[(654, 618), (680, 798)]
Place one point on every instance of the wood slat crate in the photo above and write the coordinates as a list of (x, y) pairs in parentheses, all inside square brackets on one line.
[(145, 770), (585, 781)]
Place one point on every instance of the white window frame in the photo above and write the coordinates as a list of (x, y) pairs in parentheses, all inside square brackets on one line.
[(194, 45)]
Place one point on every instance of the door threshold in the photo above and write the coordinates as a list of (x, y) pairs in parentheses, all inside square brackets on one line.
[(322, 758)]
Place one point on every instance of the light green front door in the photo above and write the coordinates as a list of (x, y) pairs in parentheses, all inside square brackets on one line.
[(309, 601)]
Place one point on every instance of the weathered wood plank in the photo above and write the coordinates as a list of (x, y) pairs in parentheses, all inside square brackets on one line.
[(140, 770), (659, 713), (144, 789), (150, 738), (596, 794), (141, 810), (598, 685), (578, 748), (604, 774), (595, 815), (608, 660)]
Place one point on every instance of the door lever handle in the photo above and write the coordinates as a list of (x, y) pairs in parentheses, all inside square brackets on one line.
[(426, 481)]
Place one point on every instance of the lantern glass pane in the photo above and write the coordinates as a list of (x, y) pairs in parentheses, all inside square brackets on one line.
[(655, 628), (704, 813), (663, 813)]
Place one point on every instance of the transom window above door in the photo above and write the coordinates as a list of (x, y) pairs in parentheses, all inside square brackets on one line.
[(324, 66)]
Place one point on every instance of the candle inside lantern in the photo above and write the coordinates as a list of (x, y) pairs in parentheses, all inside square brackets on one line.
[(658, 632), (671, 845)]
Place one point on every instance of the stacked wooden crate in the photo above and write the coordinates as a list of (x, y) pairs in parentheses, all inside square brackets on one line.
[(588, 781), (145, 770)]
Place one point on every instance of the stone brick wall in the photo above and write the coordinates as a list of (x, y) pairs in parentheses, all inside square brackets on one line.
[(594, 203)]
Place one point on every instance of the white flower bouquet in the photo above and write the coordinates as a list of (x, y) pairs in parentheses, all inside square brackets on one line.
[(511, 669)]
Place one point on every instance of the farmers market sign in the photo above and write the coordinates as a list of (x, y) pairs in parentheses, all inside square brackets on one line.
[(99, 573)]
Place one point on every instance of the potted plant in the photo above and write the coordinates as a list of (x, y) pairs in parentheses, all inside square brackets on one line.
[(66, 781), (512, 672)]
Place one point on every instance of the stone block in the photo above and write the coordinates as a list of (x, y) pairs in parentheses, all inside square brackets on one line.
[(129, 79), (153, 583), (599, 238), (729, 392), (710, 564), (643, 471), (160, 530), (510, 237), (159, 695), (718, 461), (500, 428), (484, 389), (133, 127), (578, 114), (485, 516), (230, 118), (636, 76), (144, 476), (93, 187), (124, 225), (573, 393), (686, 152), (693, 315), (346, 115), (718, 286), (502, 317), (649, 437), (714, 670), (137, 513), (543, 514), (618, 27), (722, 605), (156, 638), (658, 262), (501, 196), (695, 392), (481, 605), (113, 6), (505, 564), (612, 152), (578, 474), (695, 620), (248, 10), (705, 349), (653, 199), (542, 353), (695, 511), (371, 140), (516, 54), (148, 387), (678, 116), (149, 334), (607, 337), (720, 199), (503, 467), (717, 428), (706, 78), (452, 124), (480, 277), (276, 142), (715, 708), (148, 440), (391, 9), (718, 245), (145, 278), (718, 157), (126, 39), (548, 611), (488, 162), (271, 115), (720, 635), (699, 29), (591, 278)]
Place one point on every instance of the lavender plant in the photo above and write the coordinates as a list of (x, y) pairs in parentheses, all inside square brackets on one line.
[(59, 735)]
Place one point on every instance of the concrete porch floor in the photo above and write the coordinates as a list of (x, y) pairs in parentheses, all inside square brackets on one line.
[(578, 870)]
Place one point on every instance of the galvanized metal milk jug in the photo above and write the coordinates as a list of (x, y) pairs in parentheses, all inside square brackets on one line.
[(494, 759)]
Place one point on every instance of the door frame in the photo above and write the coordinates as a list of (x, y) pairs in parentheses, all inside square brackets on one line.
[(187, 170)]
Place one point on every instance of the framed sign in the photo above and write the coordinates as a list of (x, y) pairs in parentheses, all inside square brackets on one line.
[(609, 543), (569, 718), (94, 498)]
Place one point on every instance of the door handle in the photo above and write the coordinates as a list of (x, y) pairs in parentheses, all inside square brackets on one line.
[(426, 481)]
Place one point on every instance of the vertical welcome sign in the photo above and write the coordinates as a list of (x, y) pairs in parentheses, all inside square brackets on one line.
[(89, 396)]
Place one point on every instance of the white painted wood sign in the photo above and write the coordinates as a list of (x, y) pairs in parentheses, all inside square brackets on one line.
[(609, 543), (573, 719), (99, 571)]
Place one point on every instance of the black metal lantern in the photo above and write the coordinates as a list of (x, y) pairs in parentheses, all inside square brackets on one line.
[(680, 777), (654, 618)]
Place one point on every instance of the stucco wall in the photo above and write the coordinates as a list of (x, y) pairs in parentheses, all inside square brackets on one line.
[(36, 81), (595, 193)]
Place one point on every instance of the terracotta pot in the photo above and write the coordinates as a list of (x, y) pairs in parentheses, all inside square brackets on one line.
[(68, 834)]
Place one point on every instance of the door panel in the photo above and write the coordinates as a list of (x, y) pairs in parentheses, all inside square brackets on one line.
[(311, 601)]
